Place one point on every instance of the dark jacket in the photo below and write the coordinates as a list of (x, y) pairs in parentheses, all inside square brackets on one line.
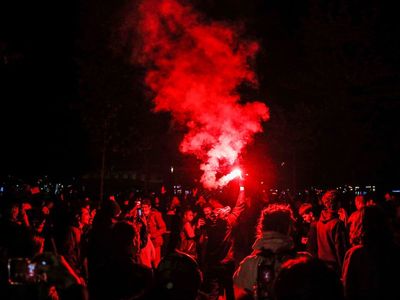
[(245, 276), (331, 239), (125, 279), (372, 272), (219, 247), (72, 249)]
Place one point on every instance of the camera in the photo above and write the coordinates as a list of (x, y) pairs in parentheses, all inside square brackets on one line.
[(24, 271)]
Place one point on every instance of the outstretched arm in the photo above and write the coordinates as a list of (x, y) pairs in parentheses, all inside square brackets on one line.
[(239, 206)]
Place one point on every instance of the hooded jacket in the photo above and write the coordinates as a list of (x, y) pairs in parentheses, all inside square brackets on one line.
[(245, 276), (331, 239)]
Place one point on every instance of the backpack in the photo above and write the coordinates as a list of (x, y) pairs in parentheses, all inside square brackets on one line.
[(267, 270)]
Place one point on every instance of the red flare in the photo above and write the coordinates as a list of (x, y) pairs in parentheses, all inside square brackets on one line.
[(194, 68), (224, 180)]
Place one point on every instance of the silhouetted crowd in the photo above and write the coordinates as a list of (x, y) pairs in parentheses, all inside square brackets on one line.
[(259, 245)]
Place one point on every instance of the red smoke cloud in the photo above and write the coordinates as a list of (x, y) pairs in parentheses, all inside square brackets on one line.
[(194, 69)]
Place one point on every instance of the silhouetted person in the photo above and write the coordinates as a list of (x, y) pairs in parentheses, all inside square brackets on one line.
[(330, 243), (122, 277), (354, 222), (189, 234), (100, 244), (218, 255), (274, 245), (306, 224), (73, 245), (16, 239), (370, 270), (178, 277), (307, 278)]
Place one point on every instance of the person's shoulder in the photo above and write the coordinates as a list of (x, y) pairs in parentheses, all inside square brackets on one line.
[(246, 267), (72, 230), (355, 251), (156, 213), (251, 259), (313, 225), (355, 214), (336, 222)]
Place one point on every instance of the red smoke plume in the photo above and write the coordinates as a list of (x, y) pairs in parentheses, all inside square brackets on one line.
[(194, 69)]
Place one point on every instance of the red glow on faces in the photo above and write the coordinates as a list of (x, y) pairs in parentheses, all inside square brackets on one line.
[(194, 69)]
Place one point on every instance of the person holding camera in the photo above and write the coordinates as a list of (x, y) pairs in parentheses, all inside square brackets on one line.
[(189, 234)]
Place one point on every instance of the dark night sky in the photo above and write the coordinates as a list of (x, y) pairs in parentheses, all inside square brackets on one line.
[(329, 73)]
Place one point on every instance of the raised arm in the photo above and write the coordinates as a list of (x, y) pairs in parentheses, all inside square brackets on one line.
[(239, 206)]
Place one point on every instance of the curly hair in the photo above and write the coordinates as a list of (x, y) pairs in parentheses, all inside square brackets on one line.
[(275, 217)]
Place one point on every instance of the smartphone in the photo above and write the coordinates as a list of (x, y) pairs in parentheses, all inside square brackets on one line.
[(24, 271), (140, 213), (21, 271)]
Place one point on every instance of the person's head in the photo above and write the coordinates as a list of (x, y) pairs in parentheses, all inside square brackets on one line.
[(49, 203), (146, 206), (188, 215), (215, 203), (307, 278), (178, 277), (265, 198), (207, 211), (85, 216), (124, 239), (14, 211), (10, 209), (389, 196), (306, 212), (359, 202), (109, 210), (276, 217), (370, 199), (175, 202), (330, 200), (81, 217), (375, 225), (201, 201)]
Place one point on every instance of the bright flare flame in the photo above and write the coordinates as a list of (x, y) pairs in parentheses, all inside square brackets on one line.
[(224, 180)]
